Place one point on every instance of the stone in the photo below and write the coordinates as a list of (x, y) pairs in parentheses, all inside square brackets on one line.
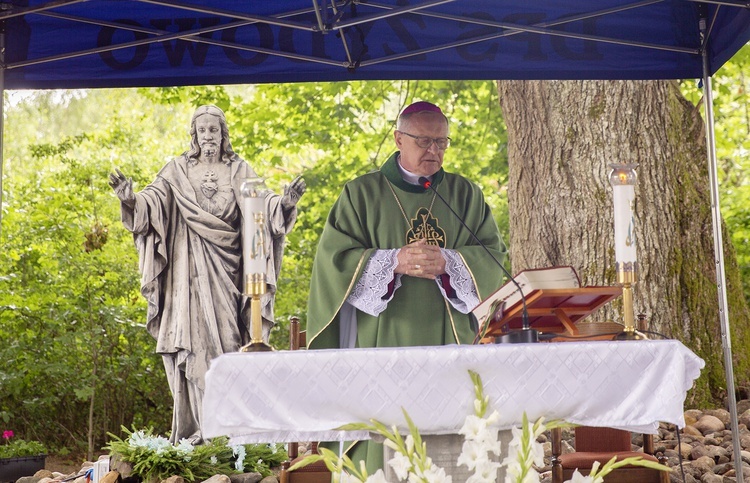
[(744, 418), (692, 431), (174, 479), (717, 453), (567, 448), (709, 424), (270, 479), (111, 477), (723, 469), (698, 451), (218, 479), (123, 467), (721, 414), (28, 479), (704, 464), (254, 477), (44, 474), (676, 477), (684, 449), (711, 478), (692, 414)]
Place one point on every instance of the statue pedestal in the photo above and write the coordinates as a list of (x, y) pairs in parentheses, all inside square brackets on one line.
[(445, 450)]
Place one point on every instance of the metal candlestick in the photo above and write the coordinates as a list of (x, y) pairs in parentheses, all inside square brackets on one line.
[(623, 179)]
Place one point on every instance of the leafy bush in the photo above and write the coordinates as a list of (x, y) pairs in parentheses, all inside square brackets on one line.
[(154, 458), (19, 447)]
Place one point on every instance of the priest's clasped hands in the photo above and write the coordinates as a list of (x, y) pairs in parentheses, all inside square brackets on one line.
[(419, 259)]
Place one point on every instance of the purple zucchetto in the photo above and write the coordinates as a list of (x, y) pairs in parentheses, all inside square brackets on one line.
[(421, 106)]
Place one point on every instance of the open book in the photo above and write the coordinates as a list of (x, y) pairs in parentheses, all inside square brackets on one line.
[(534, 279)]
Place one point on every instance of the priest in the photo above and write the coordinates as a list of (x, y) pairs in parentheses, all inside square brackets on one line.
[(394, 266)]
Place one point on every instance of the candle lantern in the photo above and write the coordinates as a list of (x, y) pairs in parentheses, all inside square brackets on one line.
[(254, 250), (623, 180)]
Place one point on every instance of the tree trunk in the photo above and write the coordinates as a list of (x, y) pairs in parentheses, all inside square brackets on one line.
[(562, 136)]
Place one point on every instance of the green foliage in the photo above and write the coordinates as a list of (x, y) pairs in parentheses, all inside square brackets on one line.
[(731, 107), (154, 458), (71, 317), (14, 448)]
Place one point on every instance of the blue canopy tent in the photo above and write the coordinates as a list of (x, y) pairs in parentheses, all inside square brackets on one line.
[(47, 44), (126, 43)]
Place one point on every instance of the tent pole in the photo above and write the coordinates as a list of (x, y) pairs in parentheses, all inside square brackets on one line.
[(721, 278)]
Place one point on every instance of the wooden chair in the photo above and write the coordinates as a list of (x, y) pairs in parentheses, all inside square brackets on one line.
[(316, 472), (601, 444)]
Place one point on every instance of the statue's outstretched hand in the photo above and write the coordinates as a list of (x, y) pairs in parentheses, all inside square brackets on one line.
[(293, 192), (123, 187)]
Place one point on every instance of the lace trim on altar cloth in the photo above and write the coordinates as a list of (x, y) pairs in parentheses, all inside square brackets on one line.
[(368, 293), (466, 293)]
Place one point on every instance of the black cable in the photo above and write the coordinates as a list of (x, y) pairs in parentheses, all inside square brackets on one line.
[(679, 453)]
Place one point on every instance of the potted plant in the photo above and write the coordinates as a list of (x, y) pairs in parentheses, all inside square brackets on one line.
[(19, 457)]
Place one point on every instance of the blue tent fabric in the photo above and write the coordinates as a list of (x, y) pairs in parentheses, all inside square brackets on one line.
[(127, 43)]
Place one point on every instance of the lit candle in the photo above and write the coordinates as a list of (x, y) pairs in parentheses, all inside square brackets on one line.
[(623, 179)]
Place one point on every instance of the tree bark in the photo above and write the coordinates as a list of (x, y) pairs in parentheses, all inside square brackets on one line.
[(562, 136)]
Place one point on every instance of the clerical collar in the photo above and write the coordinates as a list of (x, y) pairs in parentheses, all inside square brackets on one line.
[(408, 176), (395, 174)]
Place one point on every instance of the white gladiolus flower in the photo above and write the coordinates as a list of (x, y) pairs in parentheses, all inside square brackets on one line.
[(437, 475), (487, 470), (415, 478), (378, 477), (493, 418), (471, 454), (579, 478), (537, 451), (391, 444), (477, 406), (409, 441), (473, 426), (489, 439), (401, 464)]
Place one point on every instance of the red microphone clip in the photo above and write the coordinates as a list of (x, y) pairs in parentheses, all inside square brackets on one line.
[(426, 183)]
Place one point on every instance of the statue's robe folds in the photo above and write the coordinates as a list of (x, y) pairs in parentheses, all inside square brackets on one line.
[(191, 275), (367, 217)]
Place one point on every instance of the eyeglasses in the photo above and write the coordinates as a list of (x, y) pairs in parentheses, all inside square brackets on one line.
[(425, 142)]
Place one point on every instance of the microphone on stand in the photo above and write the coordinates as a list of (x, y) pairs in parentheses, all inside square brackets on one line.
[(526, 333)]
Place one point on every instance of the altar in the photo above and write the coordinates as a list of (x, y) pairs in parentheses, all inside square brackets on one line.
[(284, 396)]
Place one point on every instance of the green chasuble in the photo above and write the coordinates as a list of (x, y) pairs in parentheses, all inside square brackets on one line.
[(371, 213), (381, 211)]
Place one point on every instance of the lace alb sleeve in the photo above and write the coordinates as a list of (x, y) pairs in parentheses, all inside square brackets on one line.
[(372, 286), (466, 293)]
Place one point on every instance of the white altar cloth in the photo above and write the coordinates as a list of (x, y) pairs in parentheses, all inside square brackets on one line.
[(283, 396)]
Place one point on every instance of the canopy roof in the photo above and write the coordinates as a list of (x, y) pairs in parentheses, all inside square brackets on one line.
[(126, 43)]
